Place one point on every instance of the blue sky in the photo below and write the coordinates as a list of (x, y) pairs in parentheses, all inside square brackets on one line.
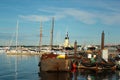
[(84, 20)]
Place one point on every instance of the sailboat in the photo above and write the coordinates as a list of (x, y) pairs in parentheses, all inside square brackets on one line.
[(14, 51)]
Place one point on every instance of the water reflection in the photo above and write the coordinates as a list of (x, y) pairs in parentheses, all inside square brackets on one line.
[(27, 69), (93, 75), (55, 76), (15, 67), (81, 75), (117, 75)]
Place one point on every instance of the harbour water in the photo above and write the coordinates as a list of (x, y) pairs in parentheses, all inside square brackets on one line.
[(17, 67)]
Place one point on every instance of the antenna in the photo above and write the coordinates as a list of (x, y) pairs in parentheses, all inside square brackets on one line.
[(66, 29)]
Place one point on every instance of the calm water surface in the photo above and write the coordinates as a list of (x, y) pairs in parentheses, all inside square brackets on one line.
[(26, 68)]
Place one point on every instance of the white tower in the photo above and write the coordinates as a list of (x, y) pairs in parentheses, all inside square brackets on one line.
[(66, 43)]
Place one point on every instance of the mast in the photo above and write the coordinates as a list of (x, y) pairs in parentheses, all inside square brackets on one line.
[(16, 50), (102, 40), (17, 34), (40, 42), (51, 37)]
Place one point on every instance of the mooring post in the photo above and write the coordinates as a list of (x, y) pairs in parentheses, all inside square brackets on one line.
[(75, 57), (102, 40), (75, 49)]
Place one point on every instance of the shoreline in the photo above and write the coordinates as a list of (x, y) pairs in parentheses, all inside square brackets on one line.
[(31, 54)]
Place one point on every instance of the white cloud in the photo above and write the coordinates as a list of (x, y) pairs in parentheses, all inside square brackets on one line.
[(112, 19), (60, 13), (83, 16), (35, 17), (87, 17)]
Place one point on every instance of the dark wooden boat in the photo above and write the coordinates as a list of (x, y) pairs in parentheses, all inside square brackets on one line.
[(108, 64), (87, 63)]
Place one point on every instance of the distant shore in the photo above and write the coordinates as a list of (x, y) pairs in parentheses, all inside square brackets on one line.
[(31, 54)]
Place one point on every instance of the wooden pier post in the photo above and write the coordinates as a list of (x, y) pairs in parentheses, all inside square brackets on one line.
[(75, 49), (102, 40)]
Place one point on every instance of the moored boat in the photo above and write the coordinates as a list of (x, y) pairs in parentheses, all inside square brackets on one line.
[(54, 62)]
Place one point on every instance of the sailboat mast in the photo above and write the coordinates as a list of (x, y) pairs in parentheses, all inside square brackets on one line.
[(40, 42), (16, 49), (17, 34), (51, 38)]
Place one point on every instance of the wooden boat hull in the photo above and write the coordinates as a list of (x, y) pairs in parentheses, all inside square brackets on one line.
[(89, 64), (96, 66), (53, 64)]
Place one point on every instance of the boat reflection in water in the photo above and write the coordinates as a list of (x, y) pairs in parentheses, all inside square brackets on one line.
[(82, 74), (101, 75), (55, 76)]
